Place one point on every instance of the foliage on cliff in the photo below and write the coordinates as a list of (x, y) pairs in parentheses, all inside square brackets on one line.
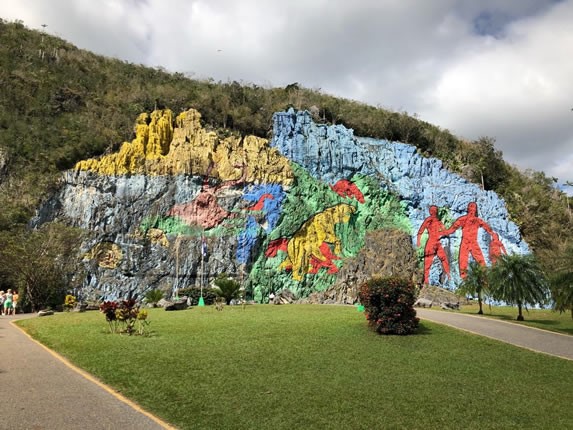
[(60, 104)]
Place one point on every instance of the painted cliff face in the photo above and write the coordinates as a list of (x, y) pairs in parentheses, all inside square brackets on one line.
[(310, 248), (470, 225), (179, 204)]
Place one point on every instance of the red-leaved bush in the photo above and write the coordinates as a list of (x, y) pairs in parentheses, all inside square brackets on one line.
[(389, 305)]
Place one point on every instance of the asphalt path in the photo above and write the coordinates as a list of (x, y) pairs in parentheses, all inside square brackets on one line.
[(559, 345), (42, 391)]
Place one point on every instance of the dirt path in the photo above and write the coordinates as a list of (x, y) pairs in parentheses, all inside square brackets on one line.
[(560, 345)]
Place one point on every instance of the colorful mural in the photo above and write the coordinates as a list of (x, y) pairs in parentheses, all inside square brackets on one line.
[(433, 247), (469, 225), (469, 246), (180, 204), (309, 249)]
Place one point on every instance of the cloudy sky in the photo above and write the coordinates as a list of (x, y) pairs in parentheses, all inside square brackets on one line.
[(498, 68)]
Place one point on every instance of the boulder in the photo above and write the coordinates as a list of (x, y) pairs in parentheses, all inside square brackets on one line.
[(423, 303), (178, 305), (450, 306)]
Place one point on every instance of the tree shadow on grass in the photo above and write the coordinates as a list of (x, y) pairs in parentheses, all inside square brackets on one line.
[(423, 330), (543, 323)]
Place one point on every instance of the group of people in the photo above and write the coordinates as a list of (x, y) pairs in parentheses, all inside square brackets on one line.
[(8, 302)]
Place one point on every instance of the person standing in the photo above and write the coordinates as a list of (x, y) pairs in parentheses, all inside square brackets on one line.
[(14, 302), (8, 302)]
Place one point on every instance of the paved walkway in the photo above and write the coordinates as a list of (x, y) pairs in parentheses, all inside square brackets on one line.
[(41, 391), (560, 345)]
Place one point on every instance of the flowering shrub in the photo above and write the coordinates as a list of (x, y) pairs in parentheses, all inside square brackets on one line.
[(69, 302), (389, 305), (122, 317)]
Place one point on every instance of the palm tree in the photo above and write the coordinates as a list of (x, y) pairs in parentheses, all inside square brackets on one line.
[(476, 283), (227, 288), (518, 280)]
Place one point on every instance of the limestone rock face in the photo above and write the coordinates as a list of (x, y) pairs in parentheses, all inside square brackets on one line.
[(332, 153), (385, 253), (161, 149), (314, 211)]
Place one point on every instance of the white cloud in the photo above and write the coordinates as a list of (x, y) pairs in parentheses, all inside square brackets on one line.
[(492, 68), (517, 89)]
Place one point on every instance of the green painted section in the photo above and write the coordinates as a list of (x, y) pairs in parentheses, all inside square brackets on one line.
[(169, 225), (306, 198), (174, 226)]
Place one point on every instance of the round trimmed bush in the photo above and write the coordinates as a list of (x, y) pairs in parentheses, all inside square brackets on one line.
[(389, 305)]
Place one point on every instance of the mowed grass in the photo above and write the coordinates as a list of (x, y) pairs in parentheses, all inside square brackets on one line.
[(314, 367), (546, 319)]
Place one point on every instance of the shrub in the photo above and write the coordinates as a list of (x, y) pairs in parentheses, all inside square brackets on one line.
[(194, 293), (122, 317), (153, 296), (227, 288), (389, 305), (69, 302)]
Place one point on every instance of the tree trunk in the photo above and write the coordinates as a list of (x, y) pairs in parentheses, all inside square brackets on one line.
[(480, 312), (520, 314)]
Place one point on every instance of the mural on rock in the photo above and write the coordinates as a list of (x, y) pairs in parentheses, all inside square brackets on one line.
[(469, 225), (433, 247), (333, 153), (179, 204)]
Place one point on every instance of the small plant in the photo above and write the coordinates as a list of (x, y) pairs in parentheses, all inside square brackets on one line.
[(69, 302), (153, 296), (126, 314), (389, 305), (108, 309), (122, 317), (142, 322), (227, 288)]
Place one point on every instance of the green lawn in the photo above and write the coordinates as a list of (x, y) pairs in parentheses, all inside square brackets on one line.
[(314, 367), (541, 318)]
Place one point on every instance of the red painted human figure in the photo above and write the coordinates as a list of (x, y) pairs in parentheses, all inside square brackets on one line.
[(496, 248), (433, 246), (470, 225)]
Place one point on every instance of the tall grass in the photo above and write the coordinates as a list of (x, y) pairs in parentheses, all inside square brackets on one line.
[(314, 367)]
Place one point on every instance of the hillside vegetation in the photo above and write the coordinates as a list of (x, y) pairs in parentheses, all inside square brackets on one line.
[(60, 104)]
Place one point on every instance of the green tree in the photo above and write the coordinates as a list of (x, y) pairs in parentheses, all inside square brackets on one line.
[(562, 282), (227, 288), (476, 283), (518, 280), (41, 264)]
